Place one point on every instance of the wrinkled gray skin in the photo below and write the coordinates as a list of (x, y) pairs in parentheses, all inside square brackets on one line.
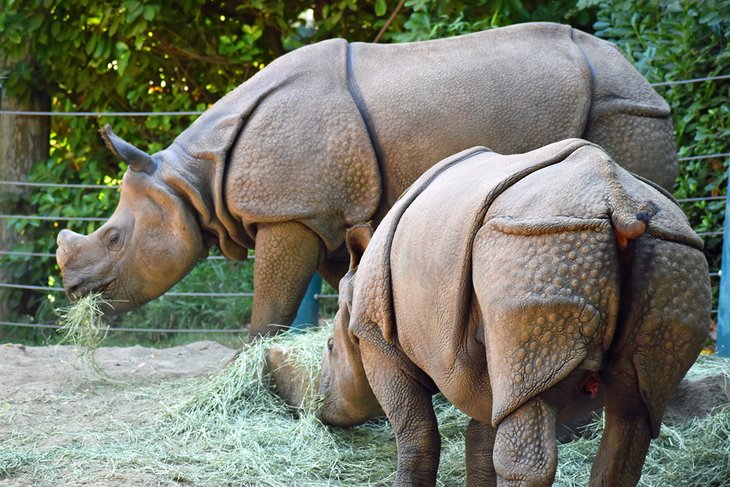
[(526, 289), (330, 134)]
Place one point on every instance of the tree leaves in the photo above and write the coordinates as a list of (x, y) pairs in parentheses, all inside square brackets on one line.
[(676, 40), (150, 55)]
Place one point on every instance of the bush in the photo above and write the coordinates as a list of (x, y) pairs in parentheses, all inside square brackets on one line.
[(667, 41), (138, 57)]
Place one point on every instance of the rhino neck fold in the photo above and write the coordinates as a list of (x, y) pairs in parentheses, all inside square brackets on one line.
[(200, 181), (389, 194)]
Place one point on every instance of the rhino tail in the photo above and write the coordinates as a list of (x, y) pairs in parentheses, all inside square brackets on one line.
[(630, 219), (630, 225)]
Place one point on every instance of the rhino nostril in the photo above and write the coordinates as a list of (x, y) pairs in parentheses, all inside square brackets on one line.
[(72, 286)]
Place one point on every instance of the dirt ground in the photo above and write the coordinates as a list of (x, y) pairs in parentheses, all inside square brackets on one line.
[(49, 392), (48, 398)]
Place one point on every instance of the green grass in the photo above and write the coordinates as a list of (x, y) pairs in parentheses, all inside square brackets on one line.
[(231, 430)]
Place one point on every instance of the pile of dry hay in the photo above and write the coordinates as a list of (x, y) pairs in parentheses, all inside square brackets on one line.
[(269, 446), (232, 430)]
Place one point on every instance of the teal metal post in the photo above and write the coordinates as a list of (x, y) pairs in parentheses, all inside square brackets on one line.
[(723, 313), (308, 314)]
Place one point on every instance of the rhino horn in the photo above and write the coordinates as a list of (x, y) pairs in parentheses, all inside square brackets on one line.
[(138, 160)]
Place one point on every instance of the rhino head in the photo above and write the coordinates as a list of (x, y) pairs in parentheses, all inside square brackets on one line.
[(348, 399), (150, 242)]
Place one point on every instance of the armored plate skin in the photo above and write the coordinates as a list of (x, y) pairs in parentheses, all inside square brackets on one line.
[(330, 135), (522, 287)]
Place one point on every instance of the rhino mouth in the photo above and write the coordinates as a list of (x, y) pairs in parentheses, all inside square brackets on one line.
[(325, 416), (77, 288), (111, 291)]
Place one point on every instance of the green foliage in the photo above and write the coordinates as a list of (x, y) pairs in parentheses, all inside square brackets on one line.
[(431, 20), (143, 55), (140, 55), (671, 40)]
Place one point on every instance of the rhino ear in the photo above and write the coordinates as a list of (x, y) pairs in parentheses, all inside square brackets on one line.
[(357, 239), (138, 160)]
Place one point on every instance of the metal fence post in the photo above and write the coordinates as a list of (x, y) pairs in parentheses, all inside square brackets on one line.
[(723, 313), (308, 314)]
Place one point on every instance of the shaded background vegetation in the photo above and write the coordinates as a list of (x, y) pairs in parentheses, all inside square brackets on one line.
[(141, 56)]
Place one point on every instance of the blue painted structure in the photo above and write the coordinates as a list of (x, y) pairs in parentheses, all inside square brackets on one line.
[(723, 313), (308, 314)]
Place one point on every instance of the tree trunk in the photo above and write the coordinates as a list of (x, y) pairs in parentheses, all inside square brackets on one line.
[(24, 140)]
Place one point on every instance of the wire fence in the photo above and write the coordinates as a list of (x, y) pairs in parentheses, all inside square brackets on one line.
[(30, 113), (232, 328)]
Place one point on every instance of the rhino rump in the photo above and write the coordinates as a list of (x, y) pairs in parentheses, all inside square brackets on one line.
[(582, 299)]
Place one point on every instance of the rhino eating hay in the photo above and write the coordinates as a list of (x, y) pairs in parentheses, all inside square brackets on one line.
[(525, 289), (331, 134)]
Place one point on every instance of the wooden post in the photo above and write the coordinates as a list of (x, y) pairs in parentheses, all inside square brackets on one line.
[(24, 140)]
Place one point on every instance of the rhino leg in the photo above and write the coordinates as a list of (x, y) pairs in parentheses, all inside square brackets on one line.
[(665, 314), (525, 449), (626, 436), (334, 268), (406, 401), (287, 255), (479, 450)]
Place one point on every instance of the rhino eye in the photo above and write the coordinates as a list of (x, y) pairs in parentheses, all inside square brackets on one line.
[(330, 344), (114, 240)]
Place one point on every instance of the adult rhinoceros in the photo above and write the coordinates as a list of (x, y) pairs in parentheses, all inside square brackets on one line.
[(330, 134)]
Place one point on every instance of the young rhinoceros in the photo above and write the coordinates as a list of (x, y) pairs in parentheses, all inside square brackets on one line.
[(521, 287), (331, 134)]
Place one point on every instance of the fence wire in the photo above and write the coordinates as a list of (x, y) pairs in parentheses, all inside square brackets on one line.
[(226, 295), (132, 329), (30, 113), (171, 293)]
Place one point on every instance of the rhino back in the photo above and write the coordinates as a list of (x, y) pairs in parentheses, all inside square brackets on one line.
[(616, 81), (511, 89), (544, 197)]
